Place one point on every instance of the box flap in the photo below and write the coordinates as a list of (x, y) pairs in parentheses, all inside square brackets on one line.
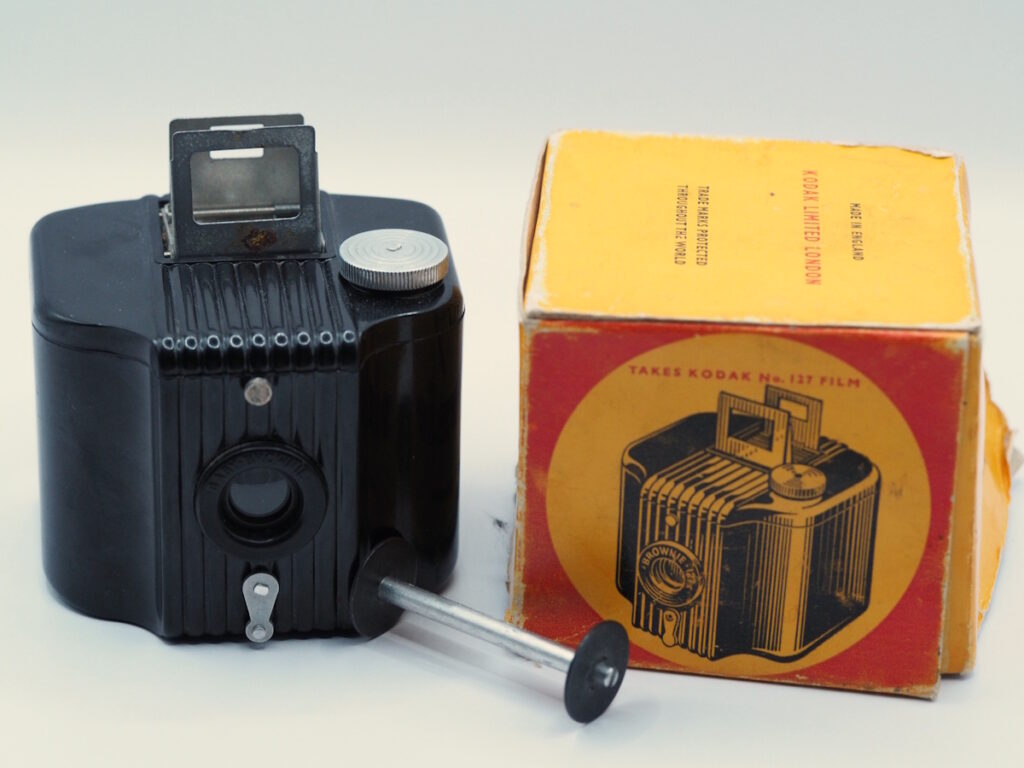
[(750, 231)]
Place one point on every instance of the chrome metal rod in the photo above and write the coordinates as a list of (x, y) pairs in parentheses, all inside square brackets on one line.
[(593, 671), (521, 642)]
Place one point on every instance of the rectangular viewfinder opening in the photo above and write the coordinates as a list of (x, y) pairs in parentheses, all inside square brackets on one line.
[(247, 184), (748, 428), (795, 409)]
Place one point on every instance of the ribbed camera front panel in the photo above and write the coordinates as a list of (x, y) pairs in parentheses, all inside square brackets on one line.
[(224, 323), (253, 316), (202, 416)]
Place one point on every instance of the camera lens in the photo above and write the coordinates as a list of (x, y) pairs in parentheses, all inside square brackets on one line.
[(258, 496), (670, 574), (261, 505), (668, 577), (260, 500)]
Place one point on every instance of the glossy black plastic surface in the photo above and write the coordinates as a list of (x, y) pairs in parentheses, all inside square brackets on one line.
[(391, 558), (596, 672), (141, 363)]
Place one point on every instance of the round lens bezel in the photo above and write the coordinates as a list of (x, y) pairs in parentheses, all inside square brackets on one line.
[(282, 533)]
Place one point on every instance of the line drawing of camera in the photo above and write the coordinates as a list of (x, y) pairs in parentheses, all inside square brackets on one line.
[(745, 530), (243, 387)]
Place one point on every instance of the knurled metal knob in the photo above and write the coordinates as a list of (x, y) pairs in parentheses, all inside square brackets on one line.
[(797, 481), (393, 260)]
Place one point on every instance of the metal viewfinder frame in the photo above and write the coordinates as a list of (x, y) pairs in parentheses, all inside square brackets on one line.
[(248, 227)]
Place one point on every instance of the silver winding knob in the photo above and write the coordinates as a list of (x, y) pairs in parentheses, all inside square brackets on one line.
[(393, 259), (798, 481)]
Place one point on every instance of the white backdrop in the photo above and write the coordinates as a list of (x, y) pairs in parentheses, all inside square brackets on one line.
[(449, 103)]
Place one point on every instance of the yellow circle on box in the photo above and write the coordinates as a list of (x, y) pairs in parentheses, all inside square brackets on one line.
[(660, 388)]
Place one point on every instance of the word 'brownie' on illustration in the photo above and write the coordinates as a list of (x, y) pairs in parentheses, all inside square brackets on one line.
[(747, 531)]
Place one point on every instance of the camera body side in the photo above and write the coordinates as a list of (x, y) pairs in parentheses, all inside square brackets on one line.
[(142, 364)]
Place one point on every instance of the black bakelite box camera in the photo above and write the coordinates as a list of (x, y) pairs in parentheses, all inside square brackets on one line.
[(249, 376)]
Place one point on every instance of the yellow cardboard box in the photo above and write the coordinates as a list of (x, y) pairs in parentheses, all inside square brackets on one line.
[(752, 408)]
